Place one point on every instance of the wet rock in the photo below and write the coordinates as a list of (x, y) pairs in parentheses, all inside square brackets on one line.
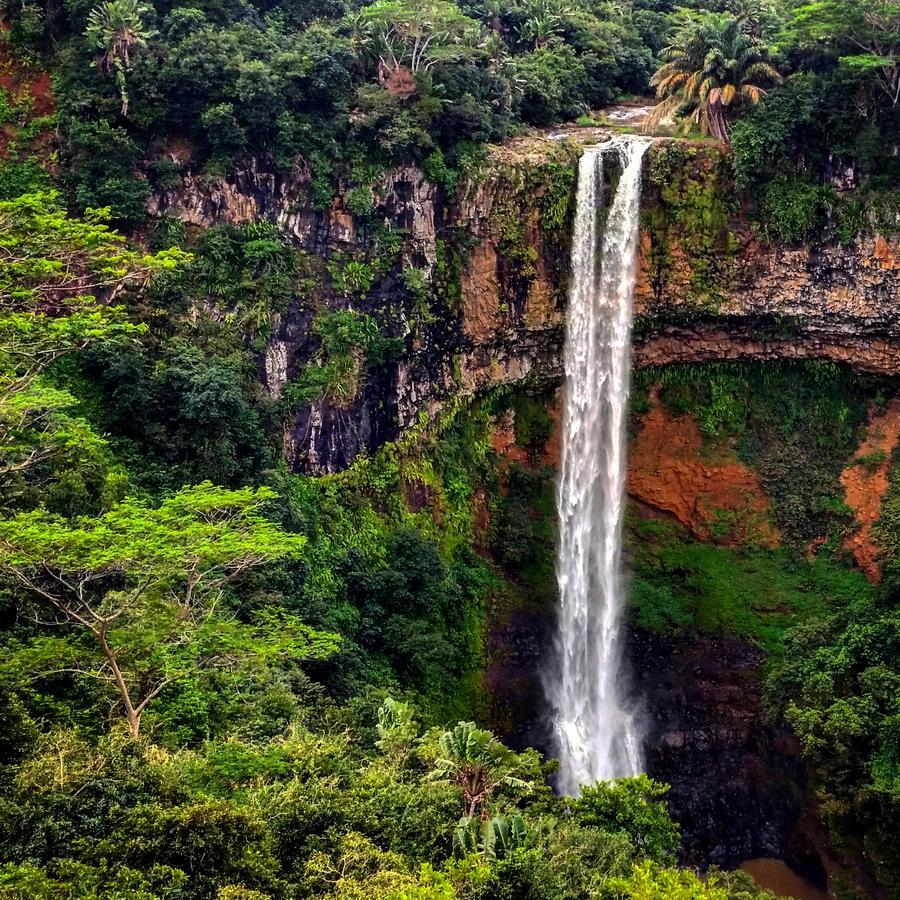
[(498, 317), (737, 781)]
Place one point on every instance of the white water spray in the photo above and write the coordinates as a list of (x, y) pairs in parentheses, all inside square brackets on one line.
[(596, 734)]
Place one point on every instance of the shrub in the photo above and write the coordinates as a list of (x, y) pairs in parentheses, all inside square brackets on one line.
[(793, 209)]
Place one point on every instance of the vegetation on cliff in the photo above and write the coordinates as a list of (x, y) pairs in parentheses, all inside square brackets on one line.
[(830, 634), (174, 726), (223, 679)]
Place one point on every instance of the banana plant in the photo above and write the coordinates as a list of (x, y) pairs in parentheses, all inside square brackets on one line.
[(476, 761), (491, 839)]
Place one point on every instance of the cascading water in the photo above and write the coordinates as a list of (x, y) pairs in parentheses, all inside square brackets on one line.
[(596, 733)]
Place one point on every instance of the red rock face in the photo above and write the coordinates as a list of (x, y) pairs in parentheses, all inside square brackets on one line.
[(866, 481), (21, 81), (746, 340), (670, 470)]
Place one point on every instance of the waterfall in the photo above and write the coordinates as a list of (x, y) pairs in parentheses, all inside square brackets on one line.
[(596, 733)]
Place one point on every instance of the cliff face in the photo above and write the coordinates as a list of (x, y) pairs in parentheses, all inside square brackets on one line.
[(474, 295), (737, 781), (471, 290), (710, 288)]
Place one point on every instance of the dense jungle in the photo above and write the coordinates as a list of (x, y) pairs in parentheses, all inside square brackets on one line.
[(283, 301)]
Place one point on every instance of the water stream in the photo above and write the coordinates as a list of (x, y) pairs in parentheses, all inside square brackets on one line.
[(596, 732)]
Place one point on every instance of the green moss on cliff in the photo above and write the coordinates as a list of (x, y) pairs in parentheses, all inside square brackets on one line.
[(686, 215), (533, 191), (681, 585)]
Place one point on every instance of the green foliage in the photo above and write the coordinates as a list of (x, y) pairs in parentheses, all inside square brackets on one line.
[(249, 271), (867, 30), (682, 585), (887, 528), (648, 882), (552, 80), (479, 764), (54, 265), (349, 342), (772, 130), (714, 68), (556, 203), (631, 806), (79, 881), (792, 209), (838, 686), (141, 584), (416, 611), (419, 34), (493, 838), (103, 160), (50, 253), (396, 728), (195, 422), (17, 178), (116, 27), (351, 277), (258, 782)]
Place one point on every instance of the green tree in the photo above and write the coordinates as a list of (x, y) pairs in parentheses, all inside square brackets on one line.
[(78, 881), (53, 271), (870, 28), (649, 882), (491, 839), (712, 70), (417, 34), (477, 762), (632, 806), (544, 20), (397, 729), (142, 583), (117, 28)]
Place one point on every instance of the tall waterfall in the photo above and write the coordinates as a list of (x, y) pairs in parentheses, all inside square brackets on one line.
[(596, 734)]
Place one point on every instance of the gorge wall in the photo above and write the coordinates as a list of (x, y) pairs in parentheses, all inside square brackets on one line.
[(473, 285)]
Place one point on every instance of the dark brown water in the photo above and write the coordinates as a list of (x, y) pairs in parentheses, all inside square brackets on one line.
[(776, 876)]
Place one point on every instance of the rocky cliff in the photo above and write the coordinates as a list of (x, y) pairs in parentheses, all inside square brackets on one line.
[(467, 280), (472, 288), (711, 288)]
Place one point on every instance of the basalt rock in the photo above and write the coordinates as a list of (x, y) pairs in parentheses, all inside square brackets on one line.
[(737, 781), (474, 297), (492, 260)]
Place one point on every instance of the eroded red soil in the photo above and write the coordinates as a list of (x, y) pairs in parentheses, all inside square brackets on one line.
[(711, 493), (865, 481)]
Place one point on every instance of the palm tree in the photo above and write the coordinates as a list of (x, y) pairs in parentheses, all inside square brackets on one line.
[(476, 761), (713, 69), (492, 839), (751, 13), (543, 21), (117, 28)]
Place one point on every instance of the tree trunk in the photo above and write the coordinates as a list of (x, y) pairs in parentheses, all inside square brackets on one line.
[(132, 713), (134, 722), (718, 123)]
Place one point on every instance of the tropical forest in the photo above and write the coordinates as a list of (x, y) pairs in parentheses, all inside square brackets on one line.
[(449, 449)]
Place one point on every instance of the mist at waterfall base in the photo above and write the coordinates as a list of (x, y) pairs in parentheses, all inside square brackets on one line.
[(596, 730)]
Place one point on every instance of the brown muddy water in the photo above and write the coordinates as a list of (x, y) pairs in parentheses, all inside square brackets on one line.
[(776, 876)]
